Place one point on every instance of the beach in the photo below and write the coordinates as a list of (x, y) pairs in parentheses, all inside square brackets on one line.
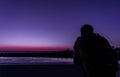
[(54, 68)]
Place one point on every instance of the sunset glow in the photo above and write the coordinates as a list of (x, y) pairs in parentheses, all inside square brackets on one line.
[(55, 24), (34, 48)]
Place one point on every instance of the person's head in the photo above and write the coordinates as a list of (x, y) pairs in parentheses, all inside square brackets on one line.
[(86, 29)]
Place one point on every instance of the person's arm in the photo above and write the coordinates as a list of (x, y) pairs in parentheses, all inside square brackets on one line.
[(80, 56), (76, 53)]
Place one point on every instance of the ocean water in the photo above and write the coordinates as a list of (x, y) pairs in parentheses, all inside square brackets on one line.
[(13, 71), (34, 60)]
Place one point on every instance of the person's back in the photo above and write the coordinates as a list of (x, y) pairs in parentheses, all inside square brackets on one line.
[(91, 49)]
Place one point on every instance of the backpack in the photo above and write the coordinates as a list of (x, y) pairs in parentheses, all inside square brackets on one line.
[(112, 61), (100, 54)]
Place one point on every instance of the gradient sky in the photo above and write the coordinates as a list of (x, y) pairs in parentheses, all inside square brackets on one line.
[(56, 22)]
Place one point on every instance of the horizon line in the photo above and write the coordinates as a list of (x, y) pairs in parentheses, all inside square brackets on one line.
[(34, 48)]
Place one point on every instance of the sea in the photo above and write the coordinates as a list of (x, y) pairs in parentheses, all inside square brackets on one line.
[(34, 60), (40, 67)]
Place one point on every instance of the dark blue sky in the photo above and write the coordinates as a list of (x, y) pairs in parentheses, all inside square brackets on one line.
[(56, 22)]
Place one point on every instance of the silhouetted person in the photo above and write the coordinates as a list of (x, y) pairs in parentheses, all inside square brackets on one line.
[(95, 54)]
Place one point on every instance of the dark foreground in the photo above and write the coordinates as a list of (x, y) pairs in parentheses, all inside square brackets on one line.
[(47, 70), (52, 70)]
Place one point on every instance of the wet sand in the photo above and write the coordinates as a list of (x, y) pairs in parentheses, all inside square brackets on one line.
[(48, 70), (45, 70)]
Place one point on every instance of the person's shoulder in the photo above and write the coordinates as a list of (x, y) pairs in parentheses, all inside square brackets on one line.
[(79, 37), (100, 37)]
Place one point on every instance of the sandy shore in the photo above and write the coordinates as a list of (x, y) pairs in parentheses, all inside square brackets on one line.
[(48, 70)]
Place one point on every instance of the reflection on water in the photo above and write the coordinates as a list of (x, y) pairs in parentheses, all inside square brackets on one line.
[(34, 60)]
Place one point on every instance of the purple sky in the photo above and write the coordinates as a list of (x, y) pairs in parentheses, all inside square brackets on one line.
[(56, 22)]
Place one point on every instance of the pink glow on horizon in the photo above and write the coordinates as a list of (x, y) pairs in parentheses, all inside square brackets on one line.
[(34, 48)]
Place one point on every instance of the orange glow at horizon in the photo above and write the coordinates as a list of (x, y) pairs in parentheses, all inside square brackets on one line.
[(34, 48)]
